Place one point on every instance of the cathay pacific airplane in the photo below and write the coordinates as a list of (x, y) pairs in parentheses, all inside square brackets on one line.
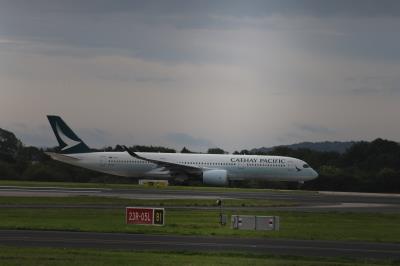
[(212, 169)]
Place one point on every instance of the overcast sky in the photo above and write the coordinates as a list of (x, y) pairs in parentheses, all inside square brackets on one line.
[(232, 74)]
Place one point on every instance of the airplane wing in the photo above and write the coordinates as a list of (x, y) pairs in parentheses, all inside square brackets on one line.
[(173, 167)]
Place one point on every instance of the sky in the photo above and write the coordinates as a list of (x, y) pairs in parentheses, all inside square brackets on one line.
[(201, 74)]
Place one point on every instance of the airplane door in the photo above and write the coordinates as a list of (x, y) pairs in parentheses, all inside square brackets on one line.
[(290, 166), (103, 161), (106, 162), (240, 165)]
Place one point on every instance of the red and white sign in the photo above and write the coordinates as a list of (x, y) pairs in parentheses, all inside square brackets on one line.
[(141, 215)]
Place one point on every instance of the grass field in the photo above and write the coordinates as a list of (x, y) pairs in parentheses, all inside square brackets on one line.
[(296, 225), (79, 216), (54, 256)]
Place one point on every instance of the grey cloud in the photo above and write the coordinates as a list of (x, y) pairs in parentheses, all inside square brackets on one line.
[(288, 138), (375, 40), (127, 75), (42, 135), (386, 91), (226, 59), (96, 137), (39, 135), (385, 85), (188, 140), (155, 30), (123, 35), (99, 138), (306, 132), (228, 7), (315, 129), (364, 90)]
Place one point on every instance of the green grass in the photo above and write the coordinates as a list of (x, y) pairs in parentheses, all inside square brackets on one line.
[(80, 200), (56, 256), (135, 186), (294, 225)]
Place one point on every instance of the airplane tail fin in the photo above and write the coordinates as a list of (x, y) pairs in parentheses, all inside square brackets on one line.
[(69, 142)]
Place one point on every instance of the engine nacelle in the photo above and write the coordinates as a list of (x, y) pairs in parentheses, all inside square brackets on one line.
[(215, 177)]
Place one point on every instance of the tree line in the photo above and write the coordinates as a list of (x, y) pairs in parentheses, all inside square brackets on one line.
[(365, 166)]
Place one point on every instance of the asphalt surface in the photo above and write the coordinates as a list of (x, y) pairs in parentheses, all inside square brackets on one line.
[(306, 201), (119, 241)]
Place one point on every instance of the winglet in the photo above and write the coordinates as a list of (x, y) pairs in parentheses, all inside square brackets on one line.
[(131, 153)]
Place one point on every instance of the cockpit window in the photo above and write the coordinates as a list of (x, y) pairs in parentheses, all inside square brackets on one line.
[(306, 166)]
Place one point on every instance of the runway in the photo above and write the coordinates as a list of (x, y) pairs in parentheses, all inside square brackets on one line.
[(119, 241), (306, 201)]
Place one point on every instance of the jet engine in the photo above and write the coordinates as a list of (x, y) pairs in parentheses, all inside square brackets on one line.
[(215, 177)]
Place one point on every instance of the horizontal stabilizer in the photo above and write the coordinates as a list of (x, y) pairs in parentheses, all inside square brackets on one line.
[(62, 157)]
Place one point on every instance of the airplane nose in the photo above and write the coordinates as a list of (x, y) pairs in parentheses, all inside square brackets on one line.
[(314, 174)]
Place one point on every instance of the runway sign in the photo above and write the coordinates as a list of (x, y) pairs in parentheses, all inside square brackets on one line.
[(141, 215), (252, 222)]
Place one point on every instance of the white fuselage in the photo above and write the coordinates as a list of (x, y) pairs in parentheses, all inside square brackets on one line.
[(238, 167)]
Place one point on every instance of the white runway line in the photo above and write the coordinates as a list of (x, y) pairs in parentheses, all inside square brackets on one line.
[(359, 194), (353, 205), (48, 190)]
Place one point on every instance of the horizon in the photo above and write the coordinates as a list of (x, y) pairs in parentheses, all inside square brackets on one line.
[(213, 147)]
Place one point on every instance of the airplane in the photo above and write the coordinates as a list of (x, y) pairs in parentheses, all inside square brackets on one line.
[(212, 169)]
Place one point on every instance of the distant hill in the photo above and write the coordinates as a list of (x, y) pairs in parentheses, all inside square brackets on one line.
[(325, 146)]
